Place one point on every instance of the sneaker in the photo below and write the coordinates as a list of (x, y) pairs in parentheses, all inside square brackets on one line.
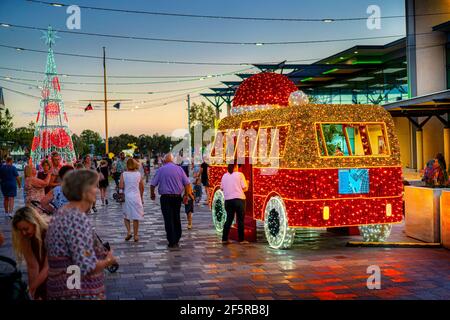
[(94, 209), (244, 242), (226, 242)]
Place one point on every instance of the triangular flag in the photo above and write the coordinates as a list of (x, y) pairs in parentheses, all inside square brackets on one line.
[(117, 105), (88, 108), (2, 100)]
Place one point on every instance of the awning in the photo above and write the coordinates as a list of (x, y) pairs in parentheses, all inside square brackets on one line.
[(433, 104)]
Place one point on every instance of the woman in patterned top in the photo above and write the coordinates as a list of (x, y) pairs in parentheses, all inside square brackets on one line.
[(70, 241), (55, 198)]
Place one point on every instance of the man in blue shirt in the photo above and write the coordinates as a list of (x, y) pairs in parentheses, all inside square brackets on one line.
[(171, 181)]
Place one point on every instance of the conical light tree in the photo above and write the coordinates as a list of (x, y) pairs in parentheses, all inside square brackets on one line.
[(52, 128)]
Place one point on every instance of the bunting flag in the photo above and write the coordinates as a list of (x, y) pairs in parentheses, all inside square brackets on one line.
[(117, 105), (2, 100), (88, 108)]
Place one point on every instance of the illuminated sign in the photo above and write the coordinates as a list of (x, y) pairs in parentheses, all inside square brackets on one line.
[(352, 181)]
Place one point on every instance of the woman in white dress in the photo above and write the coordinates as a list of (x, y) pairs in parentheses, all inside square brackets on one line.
[(132, 184)]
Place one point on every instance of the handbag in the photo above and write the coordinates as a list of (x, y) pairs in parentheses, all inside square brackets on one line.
[(13, 287)]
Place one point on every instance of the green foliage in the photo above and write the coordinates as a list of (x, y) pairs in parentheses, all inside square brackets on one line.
[(79, 146), (89, 138), (204, 114), (23, 136), (6, 125)]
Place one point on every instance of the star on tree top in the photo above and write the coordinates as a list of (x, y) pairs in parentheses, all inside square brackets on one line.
[(49, 36)]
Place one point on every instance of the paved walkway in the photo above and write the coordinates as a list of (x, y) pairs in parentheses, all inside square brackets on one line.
[(319, 266)]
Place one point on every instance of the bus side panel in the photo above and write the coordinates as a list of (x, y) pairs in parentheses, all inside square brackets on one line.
[(258, 207), (324, 183), (215, 174), (343, 212)]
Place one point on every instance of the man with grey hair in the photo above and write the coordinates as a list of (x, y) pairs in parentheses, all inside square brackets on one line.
[(171, 181)]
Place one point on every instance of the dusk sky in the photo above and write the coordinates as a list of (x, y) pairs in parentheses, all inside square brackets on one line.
[(166, 118)]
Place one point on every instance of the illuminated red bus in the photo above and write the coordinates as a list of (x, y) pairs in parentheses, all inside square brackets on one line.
[(312, 166)]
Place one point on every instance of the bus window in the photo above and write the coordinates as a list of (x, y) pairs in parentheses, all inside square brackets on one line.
[(224, 146), (263, 143), (279, 141), (335, 139), (218, 149), (320, 140), (377, 137), (230, 144), (352, 139), (246, 141)]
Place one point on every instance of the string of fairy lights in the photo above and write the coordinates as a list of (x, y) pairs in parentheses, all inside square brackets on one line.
[(232, 18), (162, 79)]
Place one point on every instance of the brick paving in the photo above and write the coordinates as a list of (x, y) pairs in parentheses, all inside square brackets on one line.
[(319, 266)]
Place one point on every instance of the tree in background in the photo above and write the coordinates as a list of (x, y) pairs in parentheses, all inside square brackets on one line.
[(91, 138), (120, 142), (23, 136), (204, 114), (6, 125)]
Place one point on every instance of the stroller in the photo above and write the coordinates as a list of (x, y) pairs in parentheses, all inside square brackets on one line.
[(112, 268), (119, 196), (14, 288)]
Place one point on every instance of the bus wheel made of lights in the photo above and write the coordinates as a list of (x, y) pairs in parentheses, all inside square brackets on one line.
[(278, 233), (219, 215), (375, 232)]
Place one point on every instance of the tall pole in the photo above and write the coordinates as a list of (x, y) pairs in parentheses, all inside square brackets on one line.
[(106, 103), (189, 124)]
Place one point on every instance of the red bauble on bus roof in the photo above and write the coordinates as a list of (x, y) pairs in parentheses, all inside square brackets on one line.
[(261, 91)]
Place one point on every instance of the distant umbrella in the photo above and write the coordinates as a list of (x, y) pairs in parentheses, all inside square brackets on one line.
[(117, 105)]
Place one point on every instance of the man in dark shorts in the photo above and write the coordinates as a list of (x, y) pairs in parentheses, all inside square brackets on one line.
[(188, 209), (204, 177)]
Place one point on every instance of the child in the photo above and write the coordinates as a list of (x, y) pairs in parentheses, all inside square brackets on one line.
[(197, 189), (189, 209)]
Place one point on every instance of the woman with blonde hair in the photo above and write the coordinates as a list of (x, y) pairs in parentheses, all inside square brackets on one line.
[(34, 187), (132, 184), (28, 234)]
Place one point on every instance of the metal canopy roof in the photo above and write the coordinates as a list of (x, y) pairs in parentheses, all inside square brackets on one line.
[(363, 68)]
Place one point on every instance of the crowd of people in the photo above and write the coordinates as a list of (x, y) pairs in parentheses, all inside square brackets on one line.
[(53, 230)]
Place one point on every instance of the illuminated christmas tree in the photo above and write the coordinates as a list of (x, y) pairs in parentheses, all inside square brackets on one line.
[(52, 129)]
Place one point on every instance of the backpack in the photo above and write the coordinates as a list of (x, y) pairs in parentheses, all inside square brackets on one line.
[(13, 287)]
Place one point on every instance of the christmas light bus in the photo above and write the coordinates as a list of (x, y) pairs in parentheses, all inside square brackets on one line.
[(312, 166)]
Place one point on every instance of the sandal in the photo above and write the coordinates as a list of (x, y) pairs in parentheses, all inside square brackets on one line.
[(128, 237), (136, 239)]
